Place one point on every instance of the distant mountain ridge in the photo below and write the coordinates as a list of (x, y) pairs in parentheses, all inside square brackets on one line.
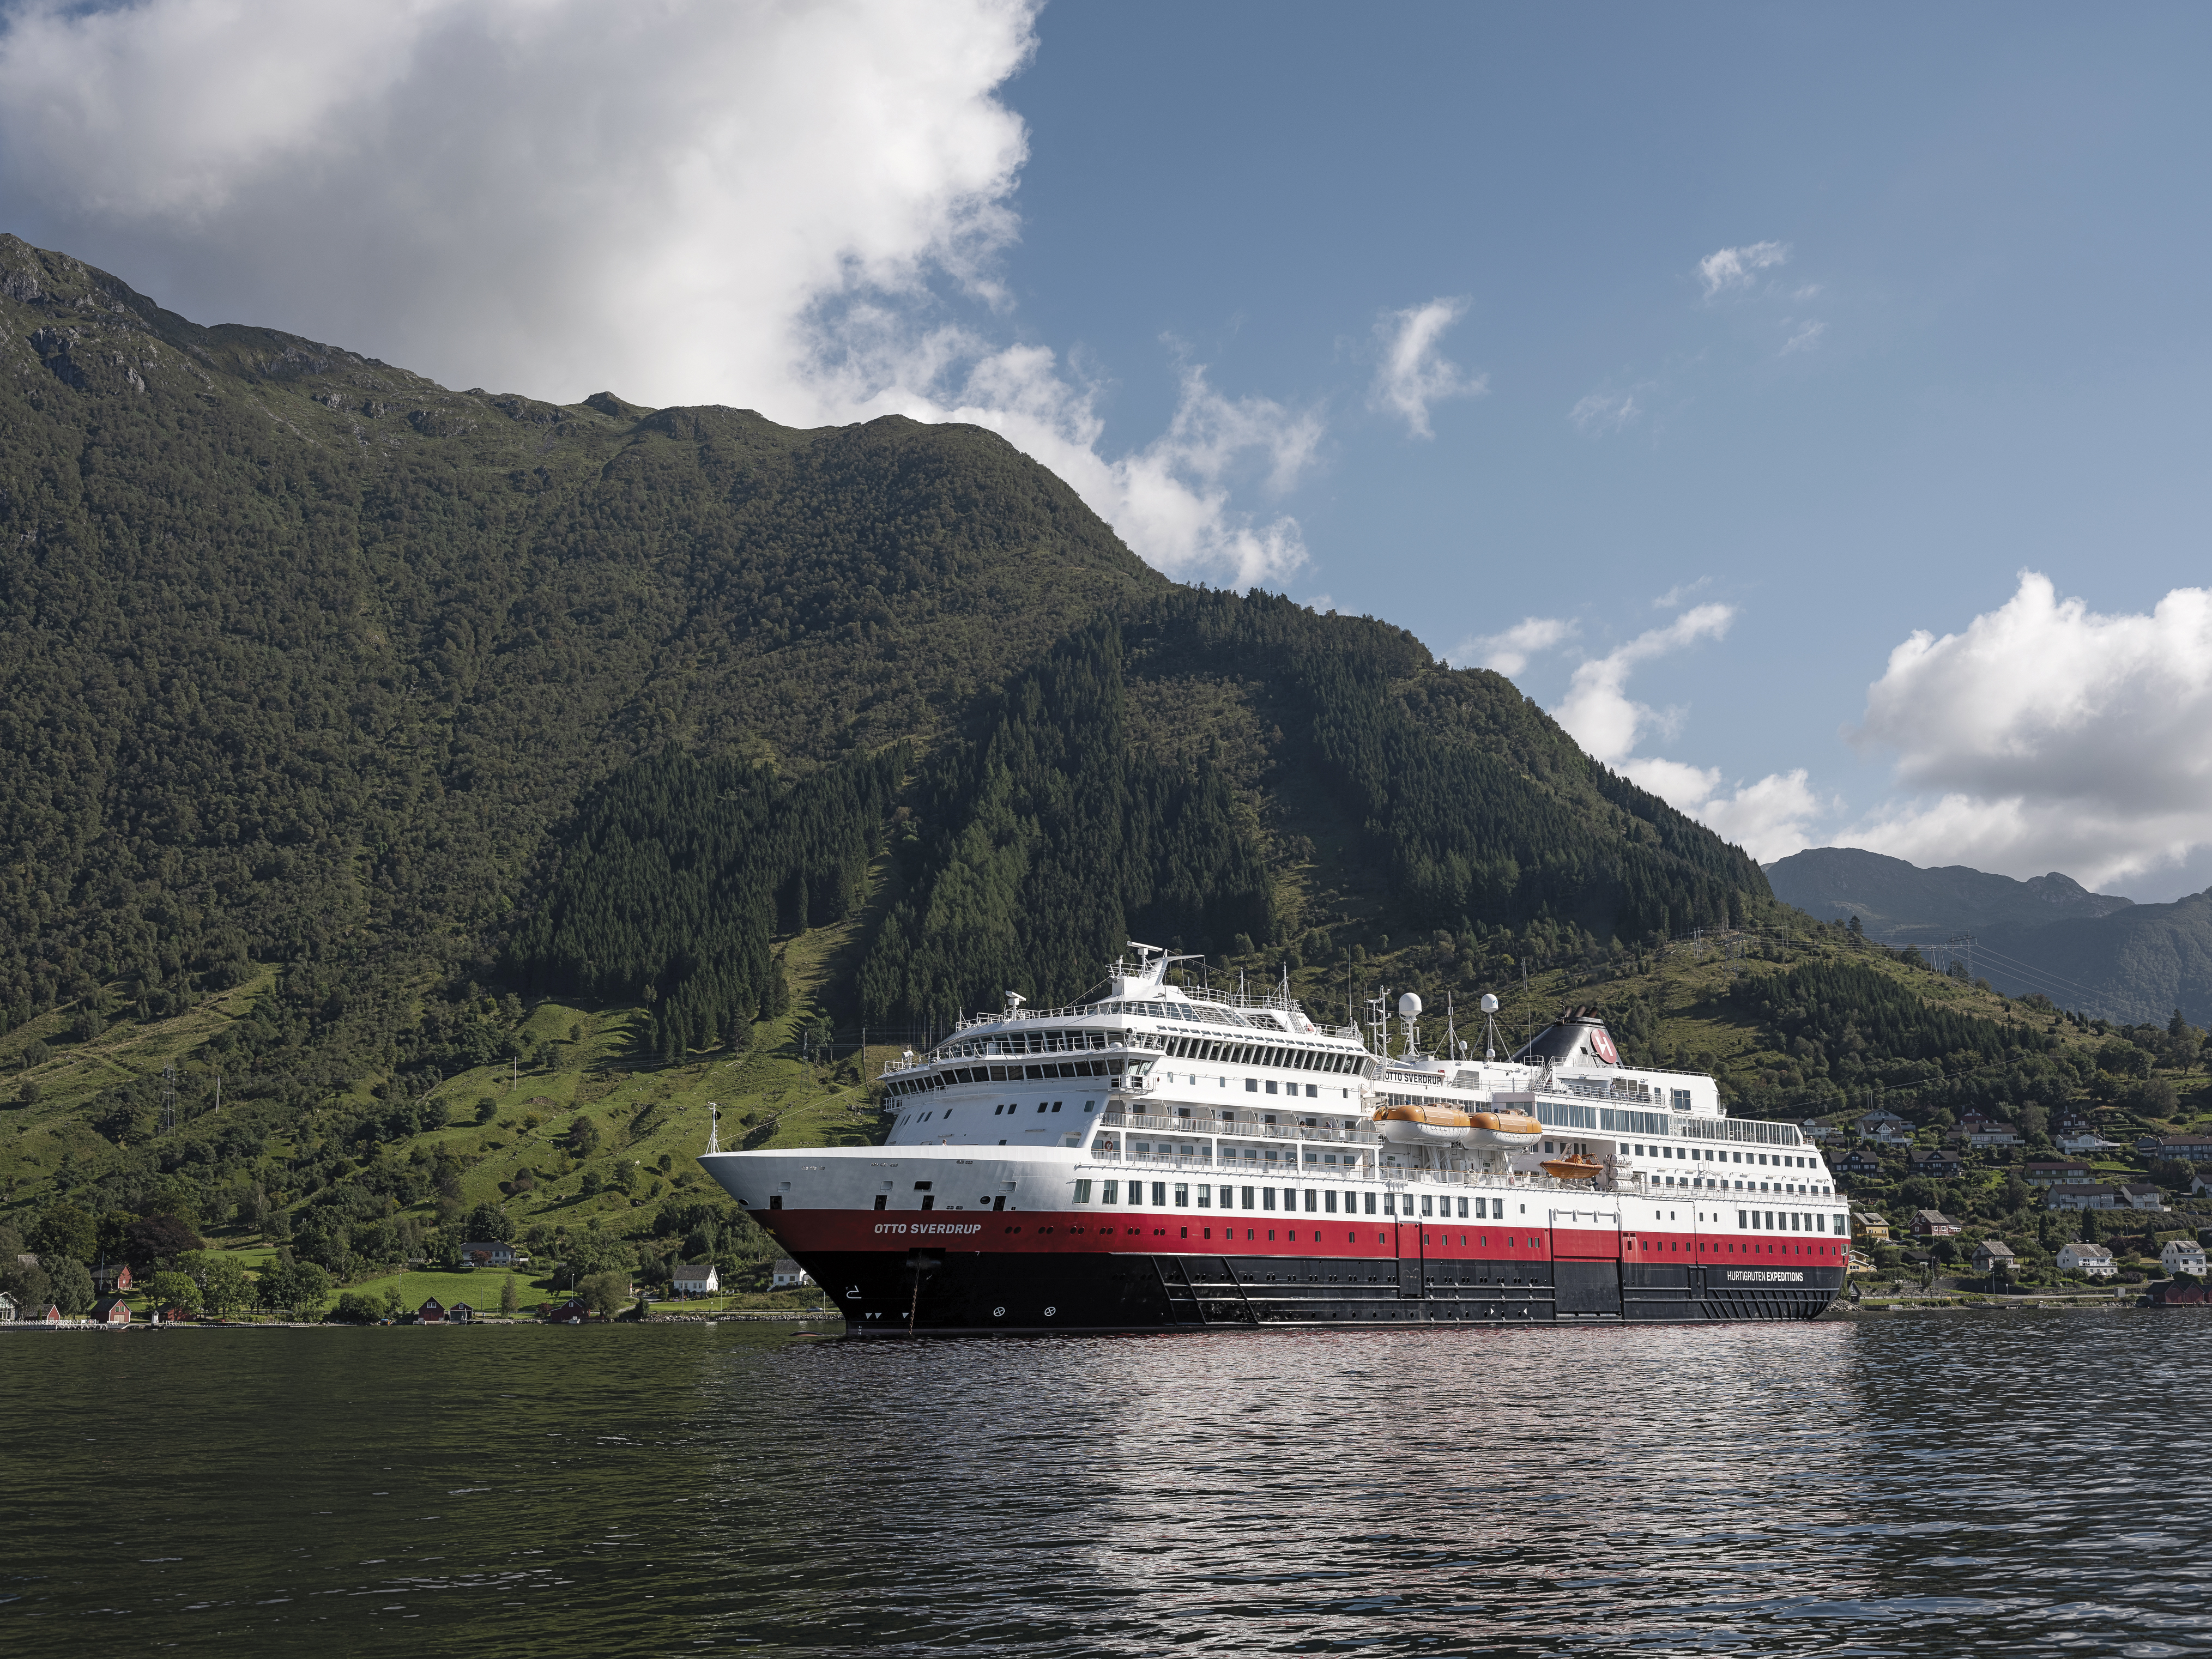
[(2097, 952), (1905, 904)]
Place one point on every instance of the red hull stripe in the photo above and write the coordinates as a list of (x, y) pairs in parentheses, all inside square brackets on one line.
[(1044, 1233)]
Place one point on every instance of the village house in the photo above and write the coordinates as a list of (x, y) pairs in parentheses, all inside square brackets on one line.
[(1934, 1162), (2182, 1256), (2093, 1260), (2202, 1185), (1994, 1255), (460, 1314), (1885, 1127), (2085, 1140), (2144, 1195), (1977, 1131), (571, 1312), (701, 1279), (112, 1281), (2072, 1195), (1858, 1162), (7, 1309), (2185, 1148), (2056, 1172), (1873, 1226), (432, 1312), (110, 1311), (1933, 1224), (787, 1275), (487, 1253)]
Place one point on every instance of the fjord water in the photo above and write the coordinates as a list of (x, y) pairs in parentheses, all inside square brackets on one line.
[(1990, 1483)]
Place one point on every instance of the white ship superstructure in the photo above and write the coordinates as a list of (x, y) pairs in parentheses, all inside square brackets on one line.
[(1165, 1157)]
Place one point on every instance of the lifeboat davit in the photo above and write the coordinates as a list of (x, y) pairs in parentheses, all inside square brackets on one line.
[(1451, 1126), (1573, 1167)]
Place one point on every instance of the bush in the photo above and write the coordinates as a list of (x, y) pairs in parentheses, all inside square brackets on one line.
[(487, 1108), (604, 1293), (353, 1308)]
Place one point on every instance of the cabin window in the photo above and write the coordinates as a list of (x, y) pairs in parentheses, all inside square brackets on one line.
[(1082, 1192), (1251, 1085), (1089, 1105), (1389, 1204), (1182, 1198), (1055, 1106), (1136, 1192), (1329, 1204), (929, 1200), (1312, 1200), (1204, 1197), (1371, 1204), (1271, 1086), (1428, 1204), (882, 1199), (1110, 1191), (1160, 1194), (1246, 1201), (1267, 1201), (1462, 1209)]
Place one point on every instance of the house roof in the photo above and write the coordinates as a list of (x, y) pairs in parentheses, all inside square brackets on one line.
[(1933, 1218), (491, 1246), (2184, 1140), (2086, 1252), (107, 1304), (1996, 1248), (2133, 1187), (703, 1270)]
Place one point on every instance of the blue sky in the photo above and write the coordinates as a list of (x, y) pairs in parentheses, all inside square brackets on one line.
[(1685, 362), (1998, 209)]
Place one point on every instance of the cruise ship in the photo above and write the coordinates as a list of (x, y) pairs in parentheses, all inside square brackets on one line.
[(1165, 1157)]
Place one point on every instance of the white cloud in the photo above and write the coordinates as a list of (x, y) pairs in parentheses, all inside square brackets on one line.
[(2047, 736), (1805, 338), (1598, 712), (1734, 267), (1680, 593), (1412, 374), (1508, 653), (1769, 819), (776, 206), (1604, 411)]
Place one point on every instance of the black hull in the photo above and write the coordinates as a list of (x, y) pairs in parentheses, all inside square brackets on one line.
[(955, 1293)]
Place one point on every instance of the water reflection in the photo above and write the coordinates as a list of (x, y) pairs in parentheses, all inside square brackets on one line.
[(1988, 1484)]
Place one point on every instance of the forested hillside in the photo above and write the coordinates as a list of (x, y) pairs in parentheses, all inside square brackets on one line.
[(402, 767)]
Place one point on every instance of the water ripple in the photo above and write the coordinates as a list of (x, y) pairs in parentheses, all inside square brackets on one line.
[(1923, 1486)]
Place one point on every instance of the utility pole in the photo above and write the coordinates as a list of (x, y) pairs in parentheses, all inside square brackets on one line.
[(168, 1098)]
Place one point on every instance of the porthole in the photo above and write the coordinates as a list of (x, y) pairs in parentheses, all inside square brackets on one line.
[(1049, 1312), (998, 1312)]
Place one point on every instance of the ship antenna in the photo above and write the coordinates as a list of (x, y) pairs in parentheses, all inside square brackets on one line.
[(1452, 1030), (713, 1126)]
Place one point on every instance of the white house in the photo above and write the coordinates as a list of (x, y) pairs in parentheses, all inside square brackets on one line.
[(1887, 1127), (2182, 1256), (2142, 1195), (2085, 1140), (2081, 1197), (787, 1275), (2094, 1260), (702, 1280)]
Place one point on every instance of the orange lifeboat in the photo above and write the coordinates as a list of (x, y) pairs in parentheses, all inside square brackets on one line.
[(1446, 1123), (1573, 1167)]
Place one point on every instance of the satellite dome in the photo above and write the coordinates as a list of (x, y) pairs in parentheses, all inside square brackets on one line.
[(1489, 1003), (1408, 1005)]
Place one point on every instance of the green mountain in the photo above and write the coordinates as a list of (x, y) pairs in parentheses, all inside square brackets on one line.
[(2097, 952), (410, 767)]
